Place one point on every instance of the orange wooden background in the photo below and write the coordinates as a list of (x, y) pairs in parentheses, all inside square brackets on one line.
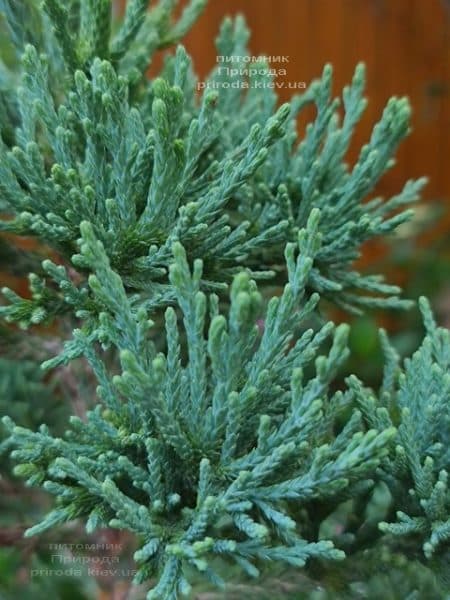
[(404, 43)]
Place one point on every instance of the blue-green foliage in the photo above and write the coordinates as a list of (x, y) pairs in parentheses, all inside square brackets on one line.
[(147, 163), (415, 399), (208, 454), (220, 431)]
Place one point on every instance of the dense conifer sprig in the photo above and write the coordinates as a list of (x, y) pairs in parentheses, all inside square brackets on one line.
[(147, 162), (220, 431)]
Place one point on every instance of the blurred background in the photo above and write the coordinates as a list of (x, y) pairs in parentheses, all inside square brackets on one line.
[(405, 45)]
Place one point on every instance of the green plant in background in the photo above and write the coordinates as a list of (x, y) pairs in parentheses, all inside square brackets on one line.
[(221, 434)]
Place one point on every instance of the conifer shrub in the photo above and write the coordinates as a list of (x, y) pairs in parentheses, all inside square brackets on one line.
[(192, 240)]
